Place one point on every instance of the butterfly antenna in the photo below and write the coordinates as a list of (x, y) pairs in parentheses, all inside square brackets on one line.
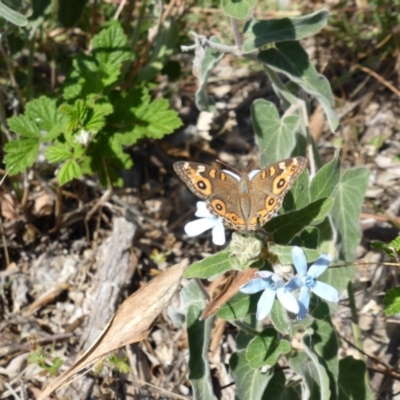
[(226, 165)]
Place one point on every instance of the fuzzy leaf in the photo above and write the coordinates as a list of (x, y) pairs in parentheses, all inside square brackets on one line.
[(238, 9), (279, 389), (239, 306), (275, 136), (290, 59), (260, 33), (13, 16), (210, 266)]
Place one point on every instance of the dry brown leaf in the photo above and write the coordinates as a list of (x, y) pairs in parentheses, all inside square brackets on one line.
[(8, 206), (131, 323), (230, 288)]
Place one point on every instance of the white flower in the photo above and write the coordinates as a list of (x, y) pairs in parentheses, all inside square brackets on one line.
[(206, 221)]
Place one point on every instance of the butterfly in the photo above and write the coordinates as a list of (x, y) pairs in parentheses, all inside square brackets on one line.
[(245, 202)]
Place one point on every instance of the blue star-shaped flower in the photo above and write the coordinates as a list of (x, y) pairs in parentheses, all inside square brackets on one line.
[(306, 280), (272, 285), (206, 221)]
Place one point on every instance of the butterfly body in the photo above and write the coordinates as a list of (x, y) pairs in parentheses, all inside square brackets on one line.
[(245, 202)]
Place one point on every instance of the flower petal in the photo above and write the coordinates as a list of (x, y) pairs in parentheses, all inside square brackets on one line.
[(218, 233), (265, 303), (293, 283), (264, 274), (325, 291), (299, 260), (202, 211), (320, 265), (288, 300), (197, 227), (304, 302), (253, 286)]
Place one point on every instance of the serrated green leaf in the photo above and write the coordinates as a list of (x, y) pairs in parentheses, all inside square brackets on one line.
[(20, 155), (25, 127), (346, 210), (58, 152), (275, 136), (326, 179), (285, 227), (250, 383), (205, 60), (392, 301), (239, 306), (260, 33), (13, 16), (238, 9), (70, 170), (392, 249), (209, 266), (198, 332), (290, 59), (352, 384), (266, 348)]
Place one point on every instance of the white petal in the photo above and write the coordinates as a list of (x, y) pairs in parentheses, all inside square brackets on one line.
[(326, 292), (264, 274), (253, 286), (299, 260), (218, 233), (202, 211), (320, 265), (237, 177), (197, 227), (288, 300), (265, 304)]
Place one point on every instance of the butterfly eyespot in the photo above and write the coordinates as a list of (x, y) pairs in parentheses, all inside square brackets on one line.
[(219, 207), (271, 202), (201, 185), (234, 219), (281, 183), (293, 169)]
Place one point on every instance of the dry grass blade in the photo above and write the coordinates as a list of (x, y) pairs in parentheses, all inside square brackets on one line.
[(131, 323)]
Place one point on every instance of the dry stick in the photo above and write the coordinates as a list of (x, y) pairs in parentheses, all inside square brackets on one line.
[(119, 10)]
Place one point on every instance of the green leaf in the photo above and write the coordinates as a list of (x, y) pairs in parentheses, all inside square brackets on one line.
[(44, 113), (284, 253), (338, 277), (238, 9), (346, 210), (70, 11), (278, 388), (326, 179), (25, 127), (266, 348), (352, 380), (111, 51), (260, 33), (285, 227), (70, 170), (58, 152), (314, 375), (250, 382), (280, 318), (299, 195), (13, 16), (20, 155), (204, 61), (209, 266), (198, 332), (392, 301), (392, 249), (290, 59), (275, 136), (239, 306)]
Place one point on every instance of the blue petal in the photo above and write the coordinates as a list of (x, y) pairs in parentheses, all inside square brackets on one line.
[(254, 286), (320, 265), (265, 304), (218, 233), (288, 300), (294, 283), (264, 274), (304, 302), (197, 227), (299, 260), (325, 291)]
